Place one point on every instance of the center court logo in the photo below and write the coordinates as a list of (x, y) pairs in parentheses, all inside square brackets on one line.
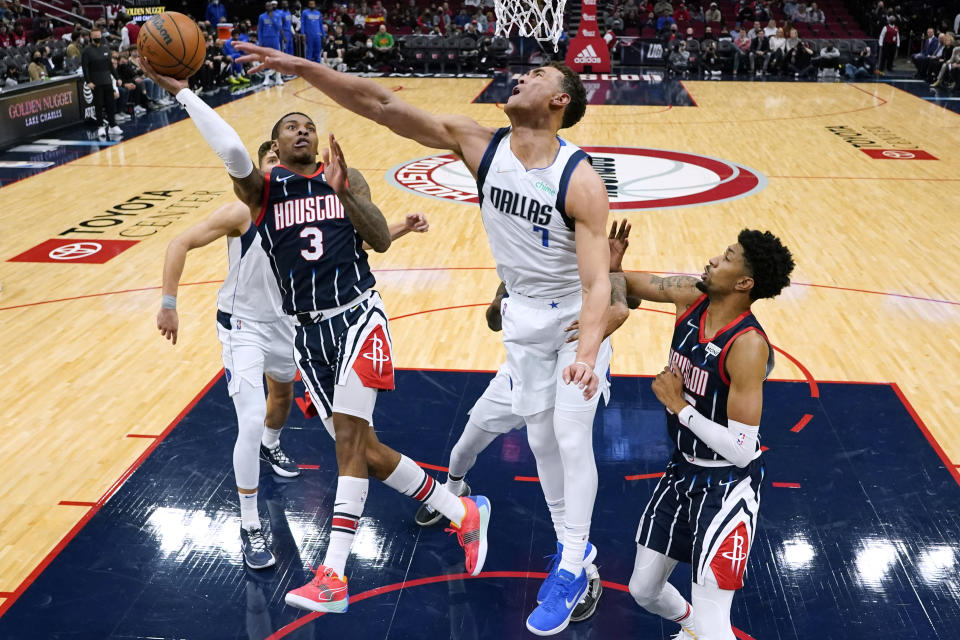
[(635, 178)]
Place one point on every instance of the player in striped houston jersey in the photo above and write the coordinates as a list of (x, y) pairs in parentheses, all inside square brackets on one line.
[(342, 335), (545, 210), (704, 510)]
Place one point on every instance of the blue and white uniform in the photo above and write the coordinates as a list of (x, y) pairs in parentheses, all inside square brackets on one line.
[(256, 335), (532, 240), (704, 509)]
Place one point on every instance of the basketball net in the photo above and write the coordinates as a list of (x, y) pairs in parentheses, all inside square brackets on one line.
[(539, 19)]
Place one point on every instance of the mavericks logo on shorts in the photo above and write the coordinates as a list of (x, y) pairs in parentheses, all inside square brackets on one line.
[(635, 178)]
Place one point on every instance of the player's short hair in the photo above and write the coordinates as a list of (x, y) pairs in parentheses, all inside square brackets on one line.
[(276, 128), (264, 149), (769, 262), (572, 86)]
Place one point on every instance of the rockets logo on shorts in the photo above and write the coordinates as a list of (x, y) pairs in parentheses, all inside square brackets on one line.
[(374, 365), (731, 559)]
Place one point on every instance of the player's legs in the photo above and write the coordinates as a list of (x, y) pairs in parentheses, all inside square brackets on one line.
[(546, 451), (713, 610), (471, 443), (280, 369), (649, 587)]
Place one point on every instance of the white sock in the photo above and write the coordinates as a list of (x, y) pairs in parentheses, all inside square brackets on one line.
[(271, 437), (411, 480), (574, 545), (574, 432), (249, 517), (557, 512), (347, 509)]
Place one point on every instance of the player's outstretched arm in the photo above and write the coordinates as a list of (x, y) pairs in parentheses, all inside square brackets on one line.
[(588, 205), (413, 222), (248, 181), (460, 134), (229, 220), (354, 194), (746, 367)]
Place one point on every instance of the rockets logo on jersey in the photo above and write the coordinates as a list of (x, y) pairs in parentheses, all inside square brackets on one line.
[(314, 251)]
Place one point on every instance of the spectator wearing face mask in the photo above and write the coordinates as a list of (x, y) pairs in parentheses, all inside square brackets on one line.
[(98, 76), (36, 69)]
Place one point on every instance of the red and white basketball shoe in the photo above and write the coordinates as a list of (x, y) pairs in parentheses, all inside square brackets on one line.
[(472, 532), (326, 593)]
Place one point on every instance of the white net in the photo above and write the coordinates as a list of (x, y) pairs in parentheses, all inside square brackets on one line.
[(540, 19)]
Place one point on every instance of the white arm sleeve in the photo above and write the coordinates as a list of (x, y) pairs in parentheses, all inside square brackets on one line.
[(737, 443), (219, 135)]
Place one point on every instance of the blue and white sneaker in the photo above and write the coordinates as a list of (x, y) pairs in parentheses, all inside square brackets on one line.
[(256, 554), (553, 614), (589, 555)]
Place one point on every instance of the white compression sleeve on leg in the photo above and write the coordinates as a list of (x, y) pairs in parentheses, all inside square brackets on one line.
[(736, 442), (219, 135)]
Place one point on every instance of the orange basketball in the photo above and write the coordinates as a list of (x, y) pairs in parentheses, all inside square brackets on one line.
[(173, 44)]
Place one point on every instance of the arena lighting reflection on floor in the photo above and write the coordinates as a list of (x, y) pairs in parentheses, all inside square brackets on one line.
[(865, 547)]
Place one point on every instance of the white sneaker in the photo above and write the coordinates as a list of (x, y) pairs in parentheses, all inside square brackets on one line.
[(278, 81), (101, 133), (121, 117), (139, 111), (115, 131)]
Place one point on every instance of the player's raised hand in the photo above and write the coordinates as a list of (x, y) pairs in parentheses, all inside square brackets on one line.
[(335, 166), (619, 241), (582, 375), (172, 85), (417, 222), (267, 58), (168, 322)]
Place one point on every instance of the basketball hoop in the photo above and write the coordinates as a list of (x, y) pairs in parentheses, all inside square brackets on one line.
[(539, 19)]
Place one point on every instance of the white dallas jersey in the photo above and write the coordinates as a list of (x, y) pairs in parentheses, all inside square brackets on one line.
[(249, 291), (530, 234)]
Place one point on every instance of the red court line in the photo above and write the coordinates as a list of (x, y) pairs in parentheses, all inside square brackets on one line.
[(286, 630), (797, 428), (526, 479), (77, 503), (644, 476), (786, 485), (103, 293), (814, 389), (6, 594), (99, 503), (951, 467), (312, 467), (141, 435), (433, 467)]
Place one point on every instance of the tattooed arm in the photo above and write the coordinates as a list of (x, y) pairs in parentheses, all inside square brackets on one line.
[(680, 290), (364, 214)]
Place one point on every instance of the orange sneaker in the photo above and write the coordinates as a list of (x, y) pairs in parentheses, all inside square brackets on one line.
[(326, 593), (472, 533)]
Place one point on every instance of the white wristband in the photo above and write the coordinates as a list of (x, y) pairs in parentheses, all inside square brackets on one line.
[(168, 302)]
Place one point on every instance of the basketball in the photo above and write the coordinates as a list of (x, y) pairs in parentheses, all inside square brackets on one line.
[(173, 44)]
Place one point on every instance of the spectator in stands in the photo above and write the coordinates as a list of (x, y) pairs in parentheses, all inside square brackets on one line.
[(790, 9), (11, 78), (713, 14), (800, 60), (708, 36), (332, 55), (681, 15), (98, 75), (928, 50), (5, 39), (215, 13), (75, 48), (741, 51), (759, 51), (861, 66), (43, 30), (5, 15), (696, 12), (815, 15), (761, 13), (36, 69), (311, 26), (663, 9), (18, 37), (678, 62), (709, 60), (669, 36), (383, 45), (771, 29), (745, 12), (129, 34), (949, 72), (462, 18), (944, 53), (889, 43), (778, 53), (132, 80), (650, 22), (829, 61)]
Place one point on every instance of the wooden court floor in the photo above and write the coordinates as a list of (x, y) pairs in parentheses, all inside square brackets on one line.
[(876, 294)]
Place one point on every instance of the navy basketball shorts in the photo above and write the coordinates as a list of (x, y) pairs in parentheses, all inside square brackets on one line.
[(705, 516), (341, 346)]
